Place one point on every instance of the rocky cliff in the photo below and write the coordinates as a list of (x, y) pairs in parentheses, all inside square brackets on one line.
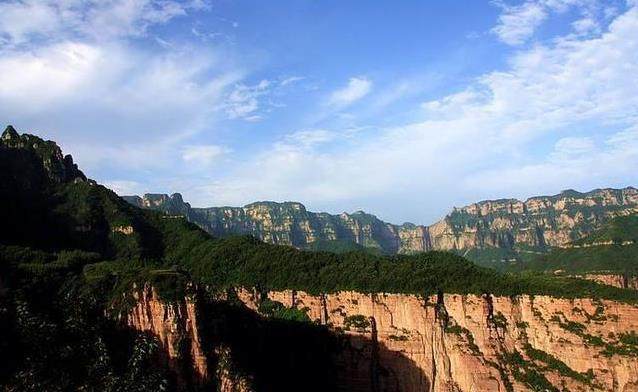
[(537, 222), (511, 227), (58, 167), (471, 343), (392, 342), (291, 224), (616, 280), (176, 325)]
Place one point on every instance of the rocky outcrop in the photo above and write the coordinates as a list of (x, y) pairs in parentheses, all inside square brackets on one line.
[(59, 168), (473, 343), (538, 222), (616, 280), (291, 224), (175, 326), (527, 226)]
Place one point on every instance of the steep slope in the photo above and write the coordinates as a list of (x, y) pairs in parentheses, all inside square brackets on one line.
[(54, 334), (488, 231)]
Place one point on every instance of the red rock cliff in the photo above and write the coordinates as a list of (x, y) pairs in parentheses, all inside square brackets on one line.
[(175, 326), (472, 343), (395, 342)]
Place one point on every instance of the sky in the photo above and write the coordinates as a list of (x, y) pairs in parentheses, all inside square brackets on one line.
[(402, 109)]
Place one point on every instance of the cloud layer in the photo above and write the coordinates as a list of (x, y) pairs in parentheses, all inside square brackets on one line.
[(478, 142)]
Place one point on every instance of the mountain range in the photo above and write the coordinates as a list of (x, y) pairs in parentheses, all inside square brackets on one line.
[(487, 231)]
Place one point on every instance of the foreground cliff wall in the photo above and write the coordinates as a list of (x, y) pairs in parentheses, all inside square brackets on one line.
[(175, 326), (472, 343), (393, 342)]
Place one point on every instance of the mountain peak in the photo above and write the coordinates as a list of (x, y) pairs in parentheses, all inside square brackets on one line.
[(177, 197), (59, 167), (10, 133)]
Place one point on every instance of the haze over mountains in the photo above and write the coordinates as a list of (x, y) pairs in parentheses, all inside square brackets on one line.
[(485, 231)]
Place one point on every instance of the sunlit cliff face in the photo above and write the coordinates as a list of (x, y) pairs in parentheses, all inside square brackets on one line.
[(393, 342)]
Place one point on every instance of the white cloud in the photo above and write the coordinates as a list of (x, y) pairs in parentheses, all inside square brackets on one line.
[(103, 99), (586, 26), (72, 73), (203, 155), (310, 138), (23, 20), (291, 80), (518, 23), (573, 147), (125, 187), (244, 101), (252, 102), (574, 163), (357, 88)]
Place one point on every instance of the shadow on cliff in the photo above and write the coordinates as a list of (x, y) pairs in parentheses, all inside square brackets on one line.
[(281, 355)]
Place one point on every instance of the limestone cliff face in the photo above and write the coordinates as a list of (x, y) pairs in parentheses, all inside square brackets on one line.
[(291, 224), (472, 343), (176, 326), (395, 342), (538, 222)]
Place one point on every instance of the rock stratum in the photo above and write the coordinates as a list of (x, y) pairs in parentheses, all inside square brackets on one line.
[(394, 342), (507, 227)]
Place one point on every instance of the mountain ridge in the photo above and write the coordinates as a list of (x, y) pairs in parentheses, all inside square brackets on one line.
[(502, 225)]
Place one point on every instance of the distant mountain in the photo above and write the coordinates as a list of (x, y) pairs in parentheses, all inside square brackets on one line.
[(612, 249), (289, 223), (487, 231)]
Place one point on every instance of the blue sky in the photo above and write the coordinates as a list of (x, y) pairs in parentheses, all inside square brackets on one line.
[(402, 109)]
